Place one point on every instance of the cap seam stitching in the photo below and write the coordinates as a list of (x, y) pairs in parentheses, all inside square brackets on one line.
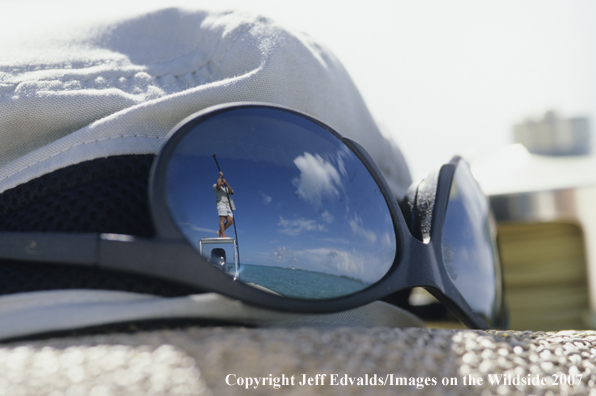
[(78, 145), (154, 76)]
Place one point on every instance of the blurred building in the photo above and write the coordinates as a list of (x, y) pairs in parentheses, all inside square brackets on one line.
[(543, 194), (553, 135)]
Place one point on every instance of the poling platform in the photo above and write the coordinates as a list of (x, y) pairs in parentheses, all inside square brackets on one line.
[(220, 241)]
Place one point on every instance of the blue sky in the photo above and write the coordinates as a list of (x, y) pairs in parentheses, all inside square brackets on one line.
[(303, 199), (467, 251)]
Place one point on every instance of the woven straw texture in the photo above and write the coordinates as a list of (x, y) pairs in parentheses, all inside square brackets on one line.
[(197, 360)]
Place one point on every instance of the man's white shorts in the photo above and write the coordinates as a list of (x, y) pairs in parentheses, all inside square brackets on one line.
[(224, 210)]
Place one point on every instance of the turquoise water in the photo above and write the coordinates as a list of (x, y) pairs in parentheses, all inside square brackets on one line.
[(299, 283)]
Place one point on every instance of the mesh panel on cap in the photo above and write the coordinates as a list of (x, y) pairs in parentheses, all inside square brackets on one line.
[(102, 195), (106, 195)]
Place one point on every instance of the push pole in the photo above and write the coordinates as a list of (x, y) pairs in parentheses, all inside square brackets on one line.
[(218, 168)]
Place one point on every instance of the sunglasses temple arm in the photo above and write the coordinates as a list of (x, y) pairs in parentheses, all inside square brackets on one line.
[(162, 258), (152, 257), (65, 248)]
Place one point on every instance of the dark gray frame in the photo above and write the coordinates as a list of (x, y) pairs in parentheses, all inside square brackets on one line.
[(170, 257)]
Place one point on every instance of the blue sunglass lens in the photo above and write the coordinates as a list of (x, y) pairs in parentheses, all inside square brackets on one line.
[(311, 222), (469, 246)]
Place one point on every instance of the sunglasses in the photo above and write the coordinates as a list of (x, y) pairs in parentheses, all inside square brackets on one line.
[(315, 226)]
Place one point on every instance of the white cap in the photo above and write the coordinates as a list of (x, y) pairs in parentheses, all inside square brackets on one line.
[(116, 84)]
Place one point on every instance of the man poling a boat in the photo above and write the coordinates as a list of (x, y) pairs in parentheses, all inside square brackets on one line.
[(225, 204)]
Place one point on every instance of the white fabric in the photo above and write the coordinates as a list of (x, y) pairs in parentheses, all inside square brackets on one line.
[(117, 85), (27, 314), (221, 197)]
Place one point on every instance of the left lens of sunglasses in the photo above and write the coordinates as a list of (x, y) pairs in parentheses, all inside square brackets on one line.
[(278, 201)]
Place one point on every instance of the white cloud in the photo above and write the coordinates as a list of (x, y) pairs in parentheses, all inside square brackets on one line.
[(358, 229), (283, 255), (266, 199), (197, 228), (318, 179), (327, 217), (298, 226), (362, 266), (387, 240)]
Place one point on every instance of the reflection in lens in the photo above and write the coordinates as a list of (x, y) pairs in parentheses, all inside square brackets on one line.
[(469, 246), (310, 221)]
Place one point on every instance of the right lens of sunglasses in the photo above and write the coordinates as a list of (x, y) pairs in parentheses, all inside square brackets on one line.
[(296, 213), (469, 247)]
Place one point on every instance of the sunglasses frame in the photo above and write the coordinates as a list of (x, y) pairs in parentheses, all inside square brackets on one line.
[(170, 256)]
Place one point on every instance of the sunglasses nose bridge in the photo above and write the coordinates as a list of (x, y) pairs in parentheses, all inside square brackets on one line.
[(423, 269)]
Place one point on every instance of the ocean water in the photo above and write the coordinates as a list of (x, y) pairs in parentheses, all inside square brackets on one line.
[(299, 283)]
